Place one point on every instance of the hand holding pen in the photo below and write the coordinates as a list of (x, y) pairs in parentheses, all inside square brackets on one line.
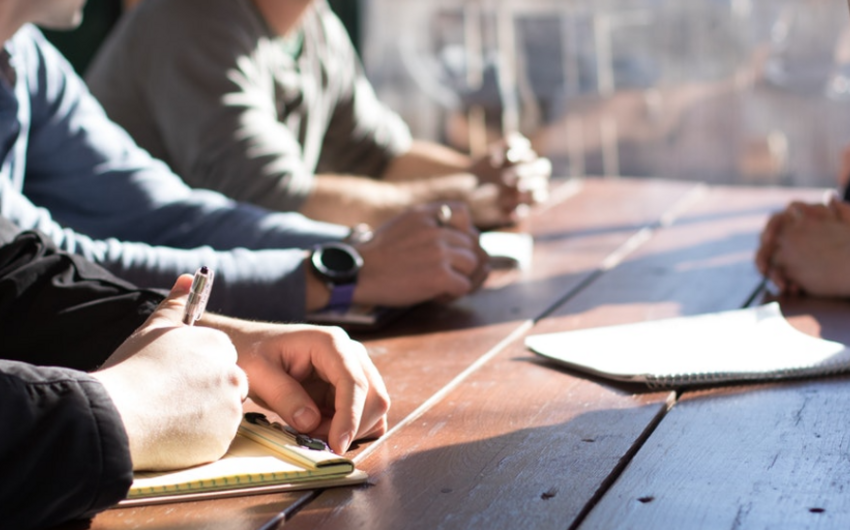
[(343, 399), (166, 372), (199, 295)]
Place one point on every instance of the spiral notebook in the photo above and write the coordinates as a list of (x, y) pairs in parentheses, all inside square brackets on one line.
[(743, 345), (263, 458)]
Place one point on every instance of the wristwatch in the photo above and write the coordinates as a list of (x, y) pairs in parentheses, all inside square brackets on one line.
[(338, 265)]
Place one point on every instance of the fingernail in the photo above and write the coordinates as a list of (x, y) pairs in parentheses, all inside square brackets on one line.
[(345, 441), (304, 419)]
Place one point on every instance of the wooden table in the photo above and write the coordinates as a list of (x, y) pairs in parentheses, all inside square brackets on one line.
[(485, 435)]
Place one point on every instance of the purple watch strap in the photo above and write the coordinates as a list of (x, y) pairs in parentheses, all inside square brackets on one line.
[(341, 296)]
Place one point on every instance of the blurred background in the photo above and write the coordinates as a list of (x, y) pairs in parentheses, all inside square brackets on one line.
[(723, 91)]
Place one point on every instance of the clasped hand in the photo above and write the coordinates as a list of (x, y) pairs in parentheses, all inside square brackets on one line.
[(806, 248), (414, 258), (512, 176)]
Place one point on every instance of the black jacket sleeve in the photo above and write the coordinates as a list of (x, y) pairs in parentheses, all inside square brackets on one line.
[(59, 309), (64, 453)]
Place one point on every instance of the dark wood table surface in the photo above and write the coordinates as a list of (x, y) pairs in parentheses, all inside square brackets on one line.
[(485, 435)]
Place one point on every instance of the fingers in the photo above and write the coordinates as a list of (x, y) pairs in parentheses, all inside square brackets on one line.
[(462, 251), (170, 311), (768, 256), (493, 205), (292, 402), (451, 214), (768, 235), (792, 289), (427, 253), (482, 271), (802, 211), (534, 190), (529, 177), (323, 383), (453, 284), (239, 379), (465, 255), (795, 213), (465, 264), (520, 174), (840, 208), (349, 405), (779, 254), (361, 402), (776, 274), (512, 149), (764, 254)]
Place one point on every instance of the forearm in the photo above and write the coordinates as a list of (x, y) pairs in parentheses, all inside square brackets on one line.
[(425, 160), (349, 200)]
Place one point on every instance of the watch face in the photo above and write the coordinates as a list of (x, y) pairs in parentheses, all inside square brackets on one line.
[(337, 262)]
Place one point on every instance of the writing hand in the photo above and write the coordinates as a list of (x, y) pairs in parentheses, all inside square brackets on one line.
[(178, 388)]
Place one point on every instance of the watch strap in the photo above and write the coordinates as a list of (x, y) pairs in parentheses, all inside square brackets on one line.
[(341, 296)]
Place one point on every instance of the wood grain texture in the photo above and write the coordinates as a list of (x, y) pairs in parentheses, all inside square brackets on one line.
[(487, 436), (703, 258), (429, 346), (755, 456), (517, 445), (432, 344), (747, 457), (518, 434), (222, 514)]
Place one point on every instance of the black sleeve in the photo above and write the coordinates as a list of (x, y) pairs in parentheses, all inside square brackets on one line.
[(64, 454), (60, 309)]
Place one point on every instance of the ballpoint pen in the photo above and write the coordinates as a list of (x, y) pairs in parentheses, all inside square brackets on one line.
[(199, 294)]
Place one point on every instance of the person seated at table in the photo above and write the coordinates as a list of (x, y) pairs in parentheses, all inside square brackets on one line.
[(85, 399), (806, 249), (266, 102), (70, 172)]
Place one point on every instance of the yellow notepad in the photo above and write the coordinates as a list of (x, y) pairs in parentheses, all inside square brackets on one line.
[(262, 458)]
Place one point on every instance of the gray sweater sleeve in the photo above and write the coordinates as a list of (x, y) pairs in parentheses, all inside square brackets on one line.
[(230, 110), (363, 134), (63, 449)]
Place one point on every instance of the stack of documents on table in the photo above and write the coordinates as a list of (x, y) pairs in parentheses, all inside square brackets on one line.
[(743, 345)]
